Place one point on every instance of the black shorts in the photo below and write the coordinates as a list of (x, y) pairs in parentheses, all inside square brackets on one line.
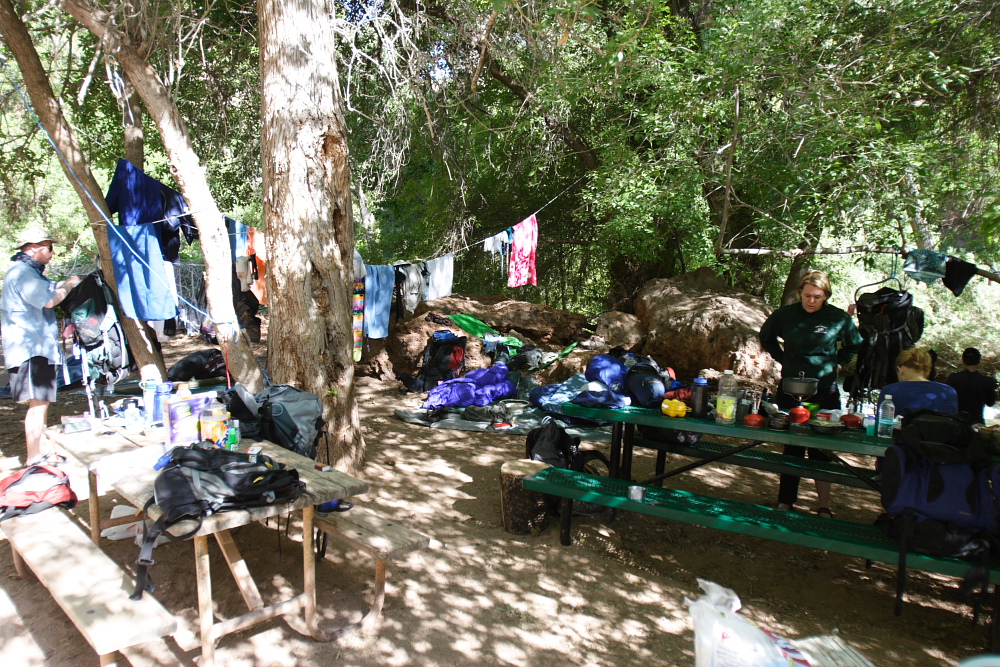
[(34, 379)]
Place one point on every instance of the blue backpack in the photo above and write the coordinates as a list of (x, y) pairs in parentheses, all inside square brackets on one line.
[(939, 491), (945, 509)]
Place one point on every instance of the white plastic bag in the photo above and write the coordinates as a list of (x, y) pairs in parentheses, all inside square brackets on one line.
[(723, 638), (126, 530)]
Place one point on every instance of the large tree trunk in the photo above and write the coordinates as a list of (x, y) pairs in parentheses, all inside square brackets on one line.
[(193, 181), (135, 144), (77, 169), (307, 211)]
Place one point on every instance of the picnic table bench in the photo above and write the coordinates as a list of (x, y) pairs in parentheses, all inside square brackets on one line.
[(758, 459), (90, 587), (383, 539), (825, 534)]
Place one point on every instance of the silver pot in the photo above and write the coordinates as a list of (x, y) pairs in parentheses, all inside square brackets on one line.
[(801, 386)]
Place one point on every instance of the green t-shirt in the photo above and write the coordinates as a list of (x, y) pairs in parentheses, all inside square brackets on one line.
[(811, 343)]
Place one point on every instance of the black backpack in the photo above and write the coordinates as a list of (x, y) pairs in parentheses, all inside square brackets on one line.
[(889, 323), (551, 444), (283, 414), (443, 359), (201, 480), (941, 437)]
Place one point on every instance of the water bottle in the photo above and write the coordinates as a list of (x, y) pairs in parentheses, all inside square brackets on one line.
[(699, 398), (133, 416), (886, 418), (725, 403), (148, 401), (162, 396), (630, 360)]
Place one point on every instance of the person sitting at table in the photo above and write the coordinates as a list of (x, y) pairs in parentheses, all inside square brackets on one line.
[(915, 391), (815, 338), (975, 390)]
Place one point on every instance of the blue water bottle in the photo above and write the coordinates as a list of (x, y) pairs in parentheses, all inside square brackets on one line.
[(162, 396)]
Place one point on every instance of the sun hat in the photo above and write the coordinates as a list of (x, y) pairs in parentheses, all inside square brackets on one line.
[(33, 235)]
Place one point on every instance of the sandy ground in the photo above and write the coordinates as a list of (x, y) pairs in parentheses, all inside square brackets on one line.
[(482, 596)]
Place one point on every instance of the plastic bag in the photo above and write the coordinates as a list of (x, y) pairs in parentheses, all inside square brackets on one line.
[(723, 638)]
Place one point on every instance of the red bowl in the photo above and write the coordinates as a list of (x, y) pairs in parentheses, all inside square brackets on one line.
[(754, 421)]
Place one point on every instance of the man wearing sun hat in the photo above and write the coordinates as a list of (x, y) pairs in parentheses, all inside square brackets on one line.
[(30, 334)]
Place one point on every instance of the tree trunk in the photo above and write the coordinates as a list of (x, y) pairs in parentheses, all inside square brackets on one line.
[(801, 263), (135, 151), (193, 181), (77, 170), (307, 212)]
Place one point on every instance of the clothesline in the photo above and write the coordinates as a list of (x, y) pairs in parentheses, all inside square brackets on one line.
[(69, 168), (473, 245)]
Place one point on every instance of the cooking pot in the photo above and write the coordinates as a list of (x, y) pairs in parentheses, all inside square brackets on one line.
[(801, 386), (778, 422), (754, 421)]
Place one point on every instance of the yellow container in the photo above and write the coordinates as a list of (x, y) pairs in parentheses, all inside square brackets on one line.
[(213, 427), (674, 408)]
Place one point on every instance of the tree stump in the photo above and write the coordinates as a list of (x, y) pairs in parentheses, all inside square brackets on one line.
[(523, 510)]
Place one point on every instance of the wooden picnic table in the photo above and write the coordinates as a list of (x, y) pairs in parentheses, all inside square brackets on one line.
[(625, 420), (94, 447)]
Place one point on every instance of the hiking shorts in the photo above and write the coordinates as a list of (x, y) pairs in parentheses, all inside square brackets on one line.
[(34, 379)]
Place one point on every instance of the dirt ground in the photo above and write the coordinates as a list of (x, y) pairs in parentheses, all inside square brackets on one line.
[(482, 596)]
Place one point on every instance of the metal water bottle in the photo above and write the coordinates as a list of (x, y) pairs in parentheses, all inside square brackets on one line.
[(699, 398)]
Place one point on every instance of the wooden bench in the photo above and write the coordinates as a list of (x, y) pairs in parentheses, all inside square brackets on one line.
[(383, 539), (90, 587), (759, 459), (845, 537)]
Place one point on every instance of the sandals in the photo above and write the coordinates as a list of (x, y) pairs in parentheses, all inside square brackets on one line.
[(50, 459), (824, 512)]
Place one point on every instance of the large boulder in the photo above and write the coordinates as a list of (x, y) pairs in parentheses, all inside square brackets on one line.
[(695, 322), (620, 329)]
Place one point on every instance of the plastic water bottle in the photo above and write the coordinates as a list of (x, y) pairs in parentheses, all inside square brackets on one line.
[(699, 398), (886, 418), (162, 396), (629, 360), (148, 401), (725, 403)]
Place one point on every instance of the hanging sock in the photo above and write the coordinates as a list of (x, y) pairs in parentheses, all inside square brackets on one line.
[(522, 254), (358, 316), (957, 274)]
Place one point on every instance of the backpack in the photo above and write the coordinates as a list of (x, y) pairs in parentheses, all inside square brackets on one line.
[(551, 444), (292, 418), (938, 492), (942, 438), (33, 489), (98, 332), (201, 480), (888, 323), (443, 359)]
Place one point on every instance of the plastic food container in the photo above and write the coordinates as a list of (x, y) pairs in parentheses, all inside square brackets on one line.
[(515, 406)]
